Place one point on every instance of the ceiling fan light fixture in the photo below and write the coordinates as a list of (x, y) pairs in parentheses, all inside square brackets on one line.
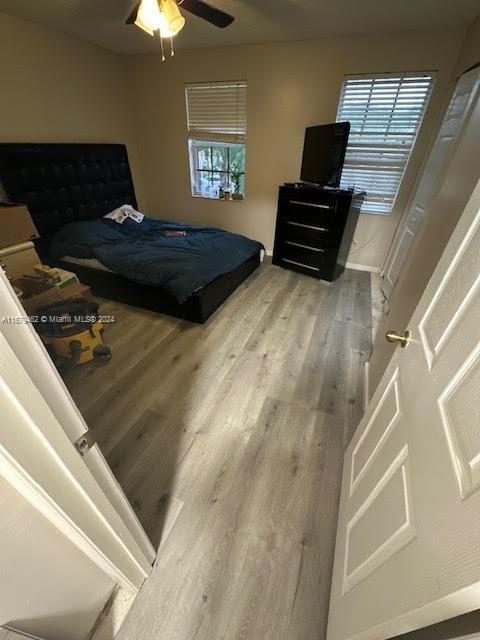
[(160, 15), (173, 17), (148, 16)]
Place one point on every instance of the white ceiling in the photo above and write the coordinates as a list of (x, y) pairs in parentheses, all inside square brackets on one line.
[(256, 21)]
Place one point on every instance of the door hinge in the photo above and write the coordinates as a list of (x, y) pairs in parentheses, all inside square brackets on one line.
[(84, 443)]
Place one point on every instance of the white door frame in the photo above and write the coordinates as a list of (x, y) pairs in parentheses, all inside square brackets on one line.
[(40, 421)]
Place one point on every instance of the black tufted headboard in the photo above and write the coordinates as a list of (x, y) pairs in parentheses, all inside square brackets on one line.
[(62, 183)]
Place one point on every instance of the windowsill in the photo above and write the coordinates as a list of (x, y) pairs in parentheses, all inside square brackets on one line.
[(217, 199), (375, 213)]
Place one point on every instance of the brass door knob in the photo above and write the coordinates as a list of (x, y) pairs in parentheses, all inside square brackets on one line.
[(402, 338)]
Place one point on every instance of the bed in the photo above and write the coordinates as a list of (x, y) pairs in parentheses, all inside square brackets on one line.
[(69, 183)]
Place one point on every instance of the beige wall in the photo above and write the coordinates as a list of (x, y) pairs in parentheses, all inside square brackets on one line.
[(290, 86), (58, 89), (430, 243), (48, 587)]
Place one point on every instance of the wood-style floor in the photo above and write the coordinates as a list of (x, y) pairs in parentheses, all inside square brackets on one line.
[(228, 440)]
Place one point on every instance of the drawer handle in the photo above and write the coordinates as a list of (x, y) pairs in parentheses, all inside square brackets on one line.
[(304, 246), (300, 264), (310, 204), (307, 226)]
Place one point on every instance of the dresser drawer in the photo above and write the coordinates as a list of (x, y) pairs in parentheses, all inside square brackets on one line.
[(311, 209), (292, 253), (318, 219), (310, 197), (310, 234)]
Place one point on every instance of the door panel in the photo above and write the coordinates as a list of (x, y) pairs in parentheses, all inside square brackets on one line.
[(393, 269), (38, 458), (32, 355), (383, 524), (457, 403), (455, 303), (460, 107), (386, 415), (407, 541)]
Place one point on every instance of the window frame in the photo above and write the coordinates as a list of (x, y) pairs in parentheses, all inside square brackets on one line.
[(216, 138), (432, 76), (193, 159)]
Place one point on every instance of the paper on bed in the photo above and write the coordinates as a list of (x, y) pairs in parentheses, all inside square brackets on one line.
[(124, 212)]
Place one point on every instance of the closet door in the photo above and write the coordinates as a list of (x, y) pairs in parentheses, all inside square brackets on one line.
[(464, 98)]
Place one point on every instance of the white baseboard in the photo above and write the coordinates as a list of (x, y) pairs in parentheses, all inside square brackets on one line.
[(362, 267), (366, 386)]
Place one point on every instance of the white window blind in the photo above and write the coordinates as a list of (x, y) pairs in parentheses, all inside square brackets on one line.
[(217, 110), (385, 113)]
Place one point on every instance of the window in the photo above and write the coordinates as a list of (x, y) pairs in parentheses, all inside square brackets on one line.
[(215, 166), (385, 113), (216, 121)]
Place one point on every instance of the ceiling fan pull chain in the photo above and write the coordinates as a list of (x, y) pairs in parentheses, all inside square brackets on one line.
[(172, 52), (161, 46)]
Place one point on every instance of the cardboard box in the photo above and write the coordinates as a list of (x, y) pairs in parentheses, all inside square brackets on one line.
[(35, 293), (16, 224), (38, 293), (19, 260), (76, 290)]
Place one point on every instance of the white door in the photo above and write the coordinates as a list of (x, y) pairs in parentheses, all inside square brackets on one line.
[(31, 353), (465, 96), (38, 458), (408, 540)]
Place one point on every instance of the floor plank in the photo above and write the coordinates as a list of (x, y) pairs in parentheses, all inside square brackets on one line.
[(228, 439)]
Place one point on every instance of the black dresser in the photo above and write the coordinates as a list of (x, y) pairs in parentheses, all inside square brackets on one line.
[(315, 228)]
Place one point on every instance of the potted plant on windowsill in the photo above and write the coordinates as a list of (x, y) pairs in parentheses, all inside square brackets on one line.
[(235, 177)]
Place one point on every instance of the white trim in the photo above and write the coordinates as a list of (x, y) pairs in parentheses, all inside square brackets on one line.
[(362, 267), (366, 385), (393, 74)]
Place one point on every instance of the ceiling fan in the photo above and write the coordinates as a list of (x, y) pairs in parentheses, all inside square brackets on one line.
[(163, 17)]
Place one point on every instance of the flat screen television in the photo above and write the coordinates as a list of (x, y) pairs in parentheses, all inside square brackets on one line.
[(324, 154)]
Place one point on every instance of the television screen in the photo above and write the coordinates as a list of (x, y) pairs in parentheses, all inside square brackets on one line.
[(324, 153)]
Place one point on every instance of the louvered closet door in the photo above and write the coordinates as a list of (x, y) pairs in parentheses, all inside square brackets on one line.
[(464, 98), (407, 552)]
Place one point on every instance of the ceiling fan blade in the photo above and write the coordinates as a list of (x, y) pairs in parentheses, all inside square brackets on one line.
[(133, 16), (208, 13)]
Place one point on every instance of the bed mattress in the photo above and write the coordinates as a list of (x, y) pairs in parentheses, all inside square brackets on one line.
[(91, 263)]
